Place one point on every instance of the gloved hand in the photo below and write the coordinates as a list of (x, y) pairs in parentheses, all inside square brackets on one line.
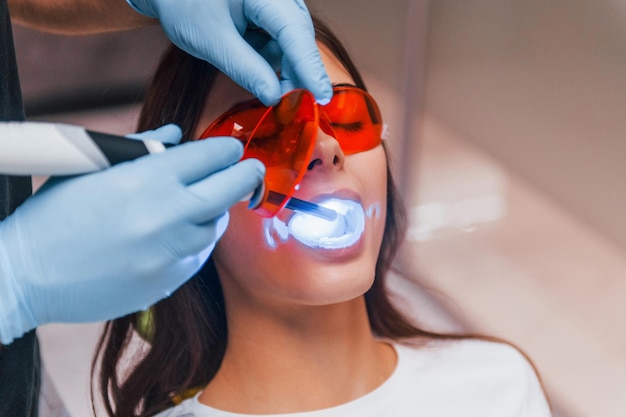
[(212, 30), (99, 246)]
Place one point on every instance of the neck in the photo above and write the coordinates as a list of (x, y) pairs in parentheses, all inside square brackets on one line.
[(298, 359)]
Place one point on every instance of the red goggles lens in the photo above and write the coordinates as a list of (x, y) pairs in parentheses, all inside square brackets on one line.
[(283, 136)]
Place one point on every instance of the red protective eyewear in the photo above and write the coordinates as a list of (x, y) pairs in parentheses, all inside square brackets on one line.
[(283, 136)]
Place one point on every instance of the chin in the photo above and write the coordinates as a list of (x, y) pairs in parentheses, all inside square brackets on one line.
[(334, 285)]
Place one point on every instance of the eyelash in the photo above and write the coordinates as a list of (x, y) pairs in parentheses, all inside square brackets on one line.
[(350, 127)]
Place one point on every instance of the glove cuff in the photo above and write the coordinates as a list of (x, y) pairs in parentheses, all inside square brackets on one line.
[(143, 7)]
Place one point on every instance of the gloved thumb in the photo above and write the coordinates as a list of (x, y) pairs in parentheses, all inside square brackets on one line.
[(169, 133), (220, 227)]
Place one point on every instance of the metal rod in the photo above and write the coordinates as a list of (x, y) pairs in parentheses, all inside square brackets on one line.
[(304, 206)]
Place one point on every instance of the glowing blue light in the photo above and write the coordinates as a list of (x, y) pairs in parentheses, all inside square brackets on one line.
[(342, 232), (315, 232), (316, 227)]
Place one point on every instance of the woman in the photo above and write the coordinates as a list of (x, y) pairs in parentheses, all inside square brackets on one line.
[(274, 325)]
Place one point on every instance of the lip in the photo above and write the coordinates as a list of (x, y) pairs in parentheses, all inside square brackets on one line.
[(337, 248), (342, 194), (335, 253), (338, 255)]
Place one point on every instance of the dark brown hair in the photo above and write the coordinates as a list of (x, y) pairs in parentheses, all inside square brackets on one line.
[(190, 333)]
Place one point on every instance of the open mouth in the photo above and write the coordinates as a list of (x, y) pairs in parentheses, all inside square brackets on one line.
[(315, 232)]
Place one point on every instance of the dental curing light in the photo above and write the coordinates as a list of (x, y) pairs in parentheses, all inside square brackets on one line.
[(34, 148), (296, 204), (39, 148)]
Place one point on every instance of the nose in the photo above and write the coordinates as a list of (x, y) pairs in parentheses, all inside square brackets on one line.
[(327, 153)]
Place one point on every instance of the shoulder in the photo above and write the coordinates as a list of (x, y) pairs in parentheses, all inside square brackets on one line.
[(466, 353), (492, 361), (475, 373)]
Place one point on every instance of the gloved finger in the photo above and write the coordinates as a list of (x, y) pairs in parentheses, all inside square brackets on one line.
[(290, 24), (288, 79), (200, 244), (205, 246), (193, 161), (220, 191), (274, 56), (169, 133), (173, 277), (232, 55), (220, 225), (200, 239)]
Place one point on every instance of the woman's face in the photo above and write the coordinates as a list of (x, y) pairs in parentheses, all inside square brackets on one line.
[(258, 260)]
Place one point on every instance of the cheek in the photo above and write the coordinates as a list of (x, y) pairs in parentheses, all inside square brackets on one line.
[(243, 255), (370, 170), (241, 240), (248, 267)]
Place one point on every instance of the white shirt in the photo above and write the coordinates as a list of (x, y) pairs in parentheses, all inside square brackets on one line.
[(469, 378)]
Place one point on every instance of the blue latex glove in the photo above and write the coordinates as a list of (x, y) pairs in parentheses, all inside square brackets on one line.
[(99, 246), (212, 30)]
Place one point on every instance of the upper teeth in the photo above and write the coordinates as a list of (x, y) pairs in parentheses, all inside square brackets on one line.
[(342, 232)]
